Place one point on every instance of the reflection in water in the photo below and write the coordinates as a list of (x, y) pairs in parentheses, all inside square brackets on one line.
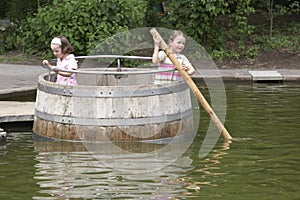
[(210, 166), (68, 170), (140, 158)]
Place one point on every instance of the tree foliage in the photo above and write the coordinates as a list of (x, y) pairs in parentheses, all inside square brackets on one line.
[(210, 21), (272, 9), (85, 23), (221, 26), (17, 10)]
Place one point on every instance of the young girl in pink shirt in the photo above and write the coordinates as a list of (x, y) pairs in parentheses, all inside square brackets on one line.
[(62, 49)]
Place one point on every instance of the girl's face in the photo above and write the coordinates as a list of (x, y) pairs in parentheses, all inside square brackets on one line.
[(57, 51), (178, 44)]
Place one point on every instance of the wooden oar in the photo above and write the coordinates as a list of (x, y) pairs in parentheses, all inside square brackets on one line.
[(192, 85)]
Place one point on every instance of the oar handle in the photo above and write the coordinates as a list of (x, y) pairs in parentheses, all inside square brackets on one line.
[(192, 85)]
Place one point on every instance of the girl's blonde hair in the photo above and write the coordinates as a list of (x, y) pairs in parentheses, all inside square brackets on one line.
[(175, 34)]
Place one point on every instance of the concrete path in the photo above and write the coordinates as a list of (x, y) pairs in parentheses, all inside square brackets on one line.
[(14, 111), (250, 75), (16, 79)]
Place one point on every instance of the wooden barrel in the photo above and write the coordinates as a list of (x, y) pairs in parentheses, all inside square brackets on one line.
[(112, 112)]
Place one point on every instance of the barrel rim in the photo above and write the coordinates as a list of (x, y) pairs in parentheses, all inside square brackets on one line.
[(110, 91), (42, 80)]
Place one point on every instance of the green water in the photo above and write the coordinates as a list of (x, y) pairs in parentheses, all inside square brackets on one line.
[(262, 164)]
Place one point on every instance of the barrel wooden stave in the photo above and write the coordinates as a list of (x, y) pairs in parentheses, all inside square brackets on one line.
[(77, 112)]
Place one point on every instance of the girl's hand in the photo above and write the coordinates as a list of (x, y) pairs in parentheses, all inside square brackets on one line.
[(190, 70), (46, 62), (157, 41), (186, 68)]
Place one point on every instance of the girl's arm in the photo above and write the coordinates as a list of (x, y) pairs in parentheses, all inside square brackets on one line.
[(46, 62), (191, 70), (66, 74), (155, 58), (187, 66), (52, 68), (72, 65)]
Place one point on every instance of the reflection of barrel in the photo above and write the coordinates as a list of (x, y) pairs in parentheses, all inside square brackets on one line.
[(67, 170), (98, 113)]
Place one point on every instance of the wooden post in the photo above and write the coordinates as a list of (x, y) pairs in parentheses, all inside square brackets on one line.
[(192, 86)]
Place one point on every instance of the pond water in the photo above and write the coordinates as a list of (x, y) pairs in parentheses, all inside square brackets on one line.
[(263, 163)]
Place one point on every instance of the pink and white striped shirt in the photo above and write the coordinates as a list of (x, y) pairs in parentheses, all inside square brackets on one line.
[(165, 63)]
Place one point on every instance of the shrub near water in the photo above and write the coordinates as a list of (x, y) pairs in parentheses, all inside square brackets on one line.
[(7, 37), (213, 23), (84, 23)]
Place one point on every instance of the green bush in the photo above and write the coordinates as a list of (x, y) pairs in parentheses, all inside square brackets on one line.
[(8, 35), (210, 23), (84, 23), (284, 37), (278, 42), (220, 26), (199, 19)]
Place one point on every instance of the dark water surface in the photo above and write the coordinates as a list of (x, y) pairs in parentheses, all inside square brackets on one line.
[(262, 164)]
